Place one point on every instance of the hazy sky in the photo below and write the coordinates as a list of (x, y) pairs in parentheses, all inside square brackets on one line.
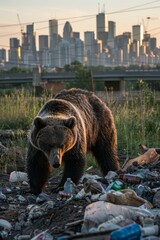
[(81, 14)]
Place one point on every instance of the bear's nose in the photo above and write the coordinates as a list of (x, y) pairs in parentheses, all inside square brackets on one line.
[(55, 162)]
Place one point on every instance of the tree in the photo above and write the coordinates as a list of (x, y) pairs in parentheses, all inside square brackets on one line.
[(83, 79)]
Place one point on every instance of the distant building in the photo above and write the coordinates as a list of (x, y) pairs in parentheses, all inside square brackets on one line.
[(53, 33), (111, 30), (43, 42), (153, 44), (68, 32), (76, 35), (43, 53), (31, 38), (13, 53), (90, 47), (28, 48), (134, 52), (3, 55), (111, 34), (79, 50), (64, 56), (137, 33), (101, 24)]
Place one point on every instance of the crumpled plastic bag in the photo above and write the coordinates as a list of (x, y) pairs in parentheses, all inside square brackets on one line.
[(100, 212)]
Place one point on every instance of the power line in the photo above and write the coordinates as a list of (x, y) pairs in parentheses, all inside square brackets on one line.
[(85, 18), (133, 8), (37, 29), (37, 22), (141, 5)]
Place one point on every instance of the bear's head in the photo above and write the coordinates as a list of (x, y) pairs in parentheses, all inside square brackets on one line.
[(54, 137)]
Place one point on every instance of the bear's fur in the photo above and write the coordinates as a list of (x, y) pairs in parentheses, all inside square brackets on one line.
[(74, 122)]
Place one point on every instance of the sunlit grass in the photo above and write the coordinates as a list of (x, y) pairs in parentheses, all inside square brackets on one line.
[(18, 109), (136, 118), (137, 121)]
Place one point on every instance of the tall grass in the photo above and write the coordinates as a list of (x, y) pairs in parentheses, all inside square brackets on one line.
[(18, 108), (137, 119)]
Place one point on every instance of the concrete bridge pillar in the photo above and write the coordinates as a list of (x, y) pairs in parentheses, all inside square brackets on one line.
[(122, 86), (115, 85), (36, 76)]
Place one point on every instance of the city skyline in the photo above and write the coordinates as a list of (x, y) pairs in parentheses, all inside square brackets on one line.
[(81, 15)]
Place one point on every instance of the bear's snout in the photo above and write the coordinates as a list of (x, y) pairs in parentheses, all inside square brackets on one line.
[(55, 158), (55, 162)]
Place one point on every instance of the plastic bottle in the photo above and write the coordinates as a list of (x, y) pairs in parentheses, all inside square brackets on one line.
[(117, 185), (69, 186), (115, 220), (152, 230), (132, 231), (140, 189), (130, 178)]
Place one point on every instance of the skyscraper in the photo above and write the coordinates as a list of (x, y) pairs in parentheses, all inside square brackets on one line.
[(31, 37), (14, 51), (89, 42), (137, 33), (111, 34), (32, 43), (2, 55), (43, 42), (68, 32), (111, 30), (53, 33), (153, 43), (101, 24), (43, 53)]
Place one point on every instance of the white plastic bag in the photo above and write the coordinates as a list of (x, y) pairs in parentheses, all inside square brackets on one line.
[(100, 212)]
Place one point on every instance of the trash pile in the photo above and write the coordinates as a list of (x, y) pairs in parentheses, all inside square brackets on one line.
[(123, 205)]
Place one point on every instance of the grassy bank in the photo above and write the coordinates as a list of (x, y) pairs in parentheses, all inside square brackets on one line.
[(137, 118)]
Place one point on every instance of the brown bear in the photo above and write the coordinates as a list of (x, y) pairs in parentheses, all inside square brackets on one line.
[(67, 127)]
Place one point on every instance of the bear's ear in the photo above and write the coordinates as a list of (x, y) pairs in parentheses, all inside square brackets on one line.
[(70, 122), (39, 122)]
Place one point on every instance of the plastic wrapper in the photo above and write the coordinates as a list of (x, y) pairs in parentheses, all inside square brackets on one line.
[(125, 197)]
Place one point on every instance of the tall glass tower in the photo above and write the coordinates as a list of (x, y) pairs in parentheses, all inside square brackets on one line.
[(67, 32), (53, 33), (101, 23), (137, 33), (111, 30)]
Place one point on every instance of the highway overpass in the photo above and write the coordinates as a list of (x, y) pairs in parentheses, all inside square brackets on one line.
[(111, 77)]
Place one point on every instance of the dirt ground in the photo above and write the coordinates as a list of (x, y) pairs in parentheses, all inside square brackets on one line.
[(55, 219)]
